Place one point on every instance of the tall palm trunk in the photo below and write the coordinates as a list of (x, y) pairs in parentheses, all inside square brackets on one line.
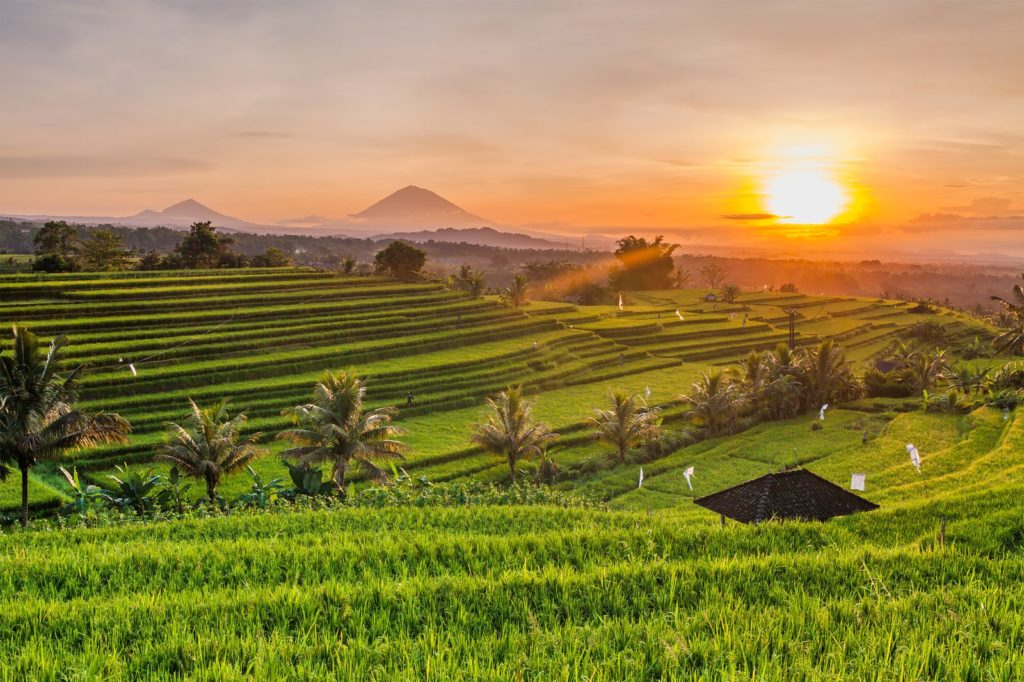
[(24, 495), (340, 468), (211, 486)]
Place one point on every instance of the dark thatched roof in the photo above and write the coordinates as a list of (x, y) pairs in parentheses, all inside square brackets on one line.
[(796, 494)]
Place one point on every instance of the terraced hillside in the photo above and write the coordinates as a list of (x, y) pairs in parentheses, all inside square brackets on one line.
[(264, 336), (544, 593)]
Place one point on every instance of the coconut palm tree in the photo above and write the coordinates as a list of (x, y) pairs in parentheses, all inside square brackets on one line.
[(827, 374), (753, 375), (628, 423), (208, 445), (336, 427), (965, 379), (715, 401), (509, 430), (1016, 301), (470, 281), (518, 294), (928, 368), (38, 417), (1011, 340), (902, 355)]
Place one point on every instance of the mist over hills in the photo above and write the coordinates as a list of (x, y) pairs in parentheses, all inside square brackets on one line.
[(412, 213), (420, 215)]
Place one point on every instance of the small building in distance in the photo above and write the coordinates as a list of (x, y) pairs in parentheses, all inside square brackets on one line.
[(796, 494)]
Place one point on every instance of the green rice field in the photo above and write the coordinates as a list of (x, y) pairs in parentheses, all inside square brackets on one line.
[(643, 585), (262, 337)]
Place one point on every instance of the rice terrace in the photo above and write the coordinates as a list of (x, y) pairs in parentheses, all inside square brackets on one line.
[(526, 341), (586, 573)]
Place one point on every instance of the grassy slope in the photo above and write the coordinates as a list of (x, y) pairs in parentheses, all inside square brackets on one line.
[(653, 589), (264, 336), (543, 593)]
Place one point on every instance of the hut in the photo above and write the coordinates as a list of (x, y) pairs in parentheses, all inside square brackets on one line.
[(796, 494)]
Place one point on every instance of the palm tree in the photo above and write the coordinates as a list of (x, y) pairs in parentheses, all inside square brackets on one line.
[(772, 381), (518, 294), (965, 379), (828, 375), (628, 423), (715, 402), (1012, 339), (38, 418), (754, 375), (902, 355), (475, 284), (208, 445), (509, 430), (781, 396), (1017, 303), (470, 281), (336, 427), (928, 367)]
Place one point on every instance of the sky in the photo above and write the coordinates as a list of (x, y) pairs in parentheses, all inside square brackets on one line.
[(546, 114)]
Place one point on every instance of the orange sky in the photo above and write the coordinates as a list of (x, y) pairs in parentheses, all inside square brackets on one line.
[(579, 113)]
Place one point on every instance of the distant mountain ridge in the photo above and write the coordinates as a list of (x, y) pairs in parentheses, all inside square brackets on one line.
[(185, 213), (414, 206), (412, 213)]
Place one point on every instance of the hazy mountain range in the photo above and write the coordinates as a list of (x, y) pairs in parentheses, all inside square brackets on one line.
[(411, 213), (419, 215)]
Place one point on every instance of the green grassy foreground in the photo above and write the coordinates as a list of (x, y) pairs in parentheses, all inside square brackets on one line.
[(650, 588), (542, 593)]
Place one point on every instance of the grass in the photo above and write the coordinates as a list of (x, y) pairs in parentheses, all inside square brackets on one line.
[(264, 336), (650, 588)]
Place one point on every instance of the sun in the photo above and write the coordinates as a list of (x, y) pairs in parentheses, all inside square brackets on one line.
[(804, 196)]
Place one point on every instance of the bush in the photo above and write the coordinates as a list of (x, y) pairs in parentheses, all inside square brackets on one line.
[(53, 263), (895, 384)]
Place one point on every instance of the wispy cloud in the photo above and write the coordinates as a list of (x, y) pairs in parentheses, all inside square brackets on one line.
[(751, 216), (264, 134), (95, 166)]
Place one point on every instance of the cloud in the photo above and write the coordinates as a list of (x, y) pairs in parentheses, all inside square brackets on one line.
[(984, 206), (944, 222), (264, 134), (14, 167), (751, 216)]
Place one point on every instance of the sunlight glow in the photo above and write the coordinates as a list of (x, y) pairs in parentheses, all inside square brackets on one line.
[(808, 196)]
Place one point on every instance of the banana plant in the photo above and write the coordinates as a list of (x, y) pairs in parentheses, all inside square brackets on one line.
[(135, 490), (174, 491), (82, 495), (260, 494)]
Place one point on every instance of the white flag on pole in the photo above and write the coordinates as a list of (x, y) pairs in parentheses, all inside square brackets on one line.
[(821, 412), (640, 483), (688, 474), (915, 456), (857, 482), (620, 302), (647, 391)]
